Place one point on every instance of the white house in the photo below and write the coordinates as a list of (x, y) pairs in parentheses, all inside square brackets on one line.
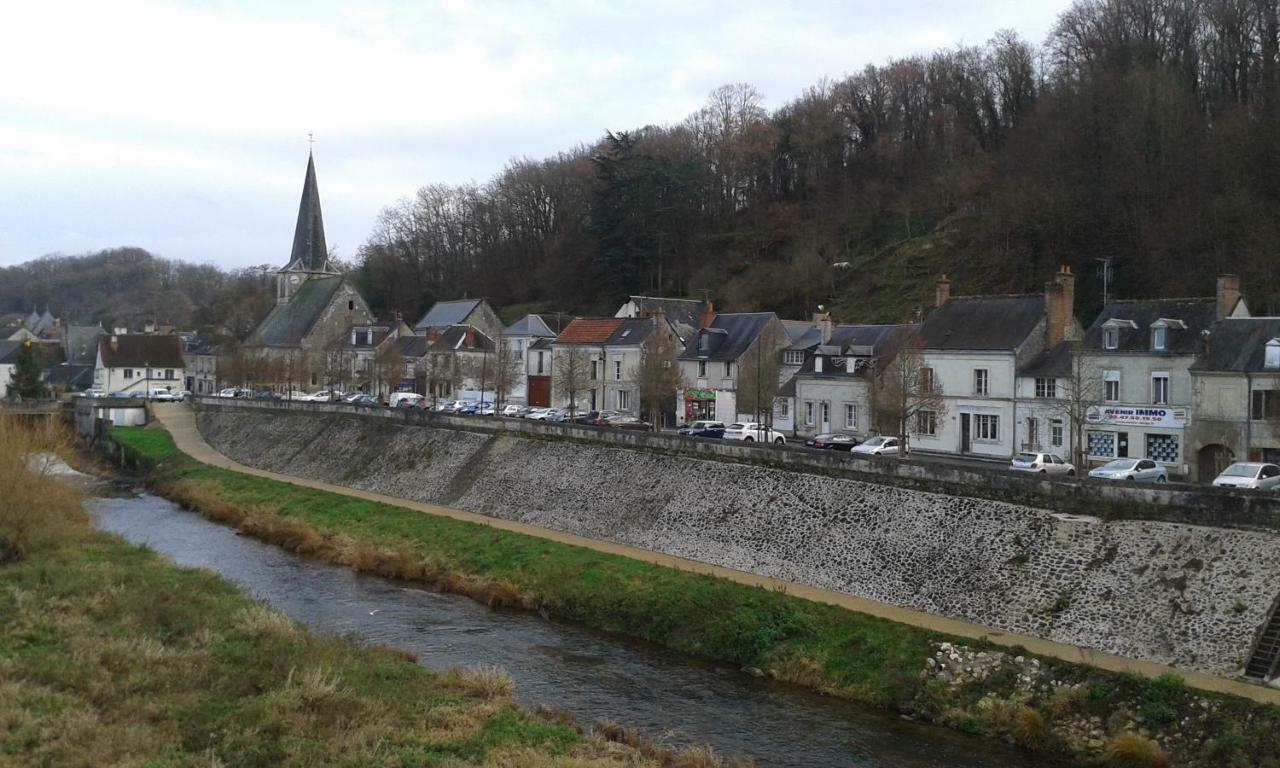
[(138, 363), (836, 386), (521, 341), (713, 357)]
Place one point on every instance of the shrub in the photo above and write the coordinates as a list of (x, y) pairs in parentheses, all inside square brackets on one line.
[(483, 682), (37, 509), (1030, 728), (1130, 750)]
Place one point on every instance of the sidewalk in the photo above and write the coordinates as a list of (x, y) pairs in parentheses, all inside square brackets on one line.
[(179, 420)]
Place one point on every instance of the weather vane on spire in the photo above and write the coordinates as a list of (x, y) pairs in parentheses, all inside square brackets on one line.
[(311, 142)]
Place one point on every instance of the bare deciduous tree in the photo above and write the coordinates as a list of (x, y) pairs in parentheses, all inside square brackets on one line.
[(907, 395), (658, 374), (1081, 390), (759, 372), (571, 374)]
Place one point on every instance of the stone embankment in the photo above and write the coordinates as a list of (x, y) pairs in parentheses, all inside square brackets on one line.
[(1177, 594)]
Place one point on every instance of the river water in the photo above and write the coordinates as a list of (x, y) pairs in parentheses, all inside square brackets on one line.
[(671, 699)]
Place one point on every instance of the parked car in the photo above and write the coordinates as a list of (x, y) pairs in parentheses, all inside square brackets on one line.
[(363, 400), (592, 417), (702, 429), (267, 394), (629, 422), (228, 392), (1132, 470), (1249, 474), (513, 411), (324, 396), (403, 399), (93, 393), (486, 409), (879, 446), (351, 396), (832, 441), (443, 405), (459, 406), (181, 395), (559, 415), (751, 432), (539, 414), (161, 395), (1042, 463)]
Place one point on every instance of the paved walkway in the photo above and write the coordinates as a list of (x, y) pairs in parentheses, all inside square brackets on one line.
[(179, 419)]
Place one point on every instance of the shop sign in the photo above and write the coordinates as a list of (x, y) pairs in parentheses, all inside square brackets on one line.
[(699, 394), (1137, 416)]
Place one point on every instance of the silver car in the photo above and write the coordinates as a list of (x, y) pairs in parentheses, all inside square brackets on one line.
[(1133, 470), (1042, 463), (1249, 474)]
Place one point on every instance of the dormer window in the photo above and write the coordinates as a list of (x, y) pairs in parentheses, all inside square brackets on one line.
[(1159, 339), (817, 364), (1273, 354), (1110, 338)]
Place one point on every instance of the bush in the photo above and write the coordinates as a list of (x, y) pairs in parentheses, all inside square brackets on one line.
[(1030, 729), (36, 507), (1129, 750)]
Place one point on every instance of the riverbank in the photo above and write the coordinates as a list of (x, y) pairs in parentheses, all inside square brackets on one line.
[(110, 655), (1042, 704)]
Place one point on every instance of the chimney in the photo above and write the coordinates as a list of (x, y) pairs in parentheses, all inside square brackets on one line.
[(708, 315), (1228, 294), (115, 343), (1059, 307), (941, 291), (822, 319), (471, 337)]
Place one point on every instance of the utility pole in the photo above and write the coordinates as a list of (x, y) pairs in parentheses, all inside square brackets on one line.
[(1106, 279)]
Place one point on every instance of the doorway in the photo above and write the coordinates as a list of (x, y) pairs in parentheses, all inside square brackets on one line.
[(965, 443), (1122, 445)]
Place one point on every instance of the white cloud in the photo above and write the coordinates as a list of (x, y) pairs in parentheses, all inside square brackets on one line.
[(153, 105)]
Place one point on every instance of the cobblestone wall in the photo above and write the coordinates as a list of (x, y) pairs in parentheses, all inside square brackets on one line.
[(1178, 594)]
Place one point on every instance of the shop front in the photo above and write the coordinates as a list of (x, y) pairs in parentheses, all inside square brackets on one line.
[(1153, 432), (699, 405)]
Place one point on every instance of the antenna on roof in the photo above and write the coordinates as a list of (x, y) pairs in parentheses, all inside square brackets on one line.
[(1106, 279)]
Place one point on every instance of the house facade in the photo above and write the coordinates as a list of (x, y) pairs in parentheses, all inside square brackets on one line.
[(712, 359), (520, 341), (136, 364), (973, 348), (473, 312), (835, 388), (201, 357), (1236, 396), (607, 353), (459, 364)]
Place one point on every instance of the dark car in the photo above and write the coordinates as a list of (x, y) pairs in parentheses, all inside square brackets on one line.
[(629, 422), (832, 441), (703, 429), (267, 394), (589, 417)]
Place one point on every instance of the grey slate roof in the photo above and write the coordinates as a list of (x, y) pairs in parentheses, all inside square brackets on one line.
[(1238, 345), (982, 322), (455, 337), (879, 341), (141, 350), (81, 342), (9, 351), (1197, 314), (631, 331), (310, 254), (73, 376), (544, 326), (411, 346), (727, 337), (1052, 363), (287, 324), (804, 335), (446, 313), (681, 311)]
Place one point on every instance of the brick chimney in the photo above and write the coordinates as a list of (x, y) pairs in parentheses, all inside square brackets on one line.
[(708, 315), (1228, 294), (115, 343), (471, 337), (1059, 307), (822, 319), (941, 291)]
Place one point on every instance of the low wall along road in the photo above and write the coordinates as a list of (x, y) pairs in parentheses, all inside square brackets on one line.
[(1171, 593)]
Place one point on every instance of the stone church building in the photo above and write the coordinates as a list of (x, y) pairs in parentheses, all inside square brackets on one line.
[(315, 305)]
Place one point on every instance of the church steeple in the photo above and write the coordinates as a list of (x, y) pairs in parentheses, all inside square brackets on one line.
[(309, 251)]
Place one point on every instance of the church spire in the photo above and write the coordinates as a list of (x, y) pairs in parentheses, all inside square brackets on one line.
[(309, 251)]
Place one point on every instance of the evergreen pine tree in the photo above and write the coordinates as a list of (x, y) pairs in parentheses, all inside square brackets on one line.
[(25, 381)]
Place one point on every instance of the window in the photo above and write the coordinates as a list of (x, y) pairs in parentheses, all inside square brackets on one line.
[(168, 373), (539, 361), (595, 370), (351, 304), (1266, 405), (1158, 338), (1033, 431), (1110, 338), (728, 370), (808, 413), (128, 373), (1102, 444), (624, 400), (617, 370), (980, 379), (926, 379), (784, 408), (702, 369), (1111, 386), (986, 426), (926, 423), (1162, 448), (1055, 433), (817, 363), (1160, 388), (1046, 387), (793, 357), (850, 416), (826, 413), (1273, 354)]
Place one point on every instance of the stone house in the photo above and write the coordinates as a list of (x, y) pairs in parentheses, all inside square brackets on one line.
[(612, 351), (1236, 396), (521, 340), (712, 359), (684, 315), (835, 388), (315, 305), (138, 363), (201, 356), (972, 348), (458, 364), (804, 338), (473, 312)]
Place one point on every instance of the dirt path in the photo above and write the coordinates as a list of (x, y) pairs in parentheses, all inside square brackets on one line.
[(180, 421)]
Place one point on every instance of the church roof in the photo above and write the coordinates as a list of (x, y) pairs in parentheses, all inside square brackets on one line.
[(310, 254), (288, 324)]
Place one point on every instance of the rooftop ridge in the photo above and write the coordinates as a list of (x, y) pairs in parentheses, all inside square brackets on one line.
[(1159, 301)]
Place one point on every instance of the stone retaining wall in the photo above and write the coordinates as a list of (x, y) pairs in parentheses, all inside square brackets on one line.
[(1167, 592)]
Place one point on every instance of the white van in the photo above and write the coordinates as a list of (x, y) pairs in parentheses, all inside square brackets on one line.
[(397, 398)]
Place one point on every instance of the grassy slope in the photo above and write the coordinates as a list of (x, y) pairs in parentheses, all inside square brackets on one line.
[(845, 653)]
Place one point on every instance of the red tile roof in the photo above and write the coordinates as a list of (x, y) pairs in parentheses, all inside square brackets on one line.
[(589, 330)]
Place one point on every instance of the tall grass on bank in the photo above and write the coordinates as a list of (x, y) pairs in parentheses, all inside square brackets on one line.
[(36, 508)]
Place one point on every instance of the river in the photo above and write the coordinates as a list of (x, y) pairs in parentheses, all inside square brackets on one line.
[(669, 698)]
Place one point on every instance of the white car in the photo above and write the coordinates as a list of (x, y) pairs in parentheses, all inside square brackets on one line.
[(1042, 463), (403, 399), (323, 396), (93, 393), (1134, 470), (229, 392), (1249, 474), (511, 411), (878, 446), (162, 395), (539, 414), (751, 432)]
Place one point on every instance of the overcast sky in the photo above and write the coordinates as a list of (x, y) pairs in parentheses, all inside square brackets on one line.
[(182, 127)]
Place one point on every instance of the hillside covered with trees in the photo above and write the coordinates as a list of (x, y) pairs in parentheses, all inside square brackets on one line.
[(1144, 131)]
